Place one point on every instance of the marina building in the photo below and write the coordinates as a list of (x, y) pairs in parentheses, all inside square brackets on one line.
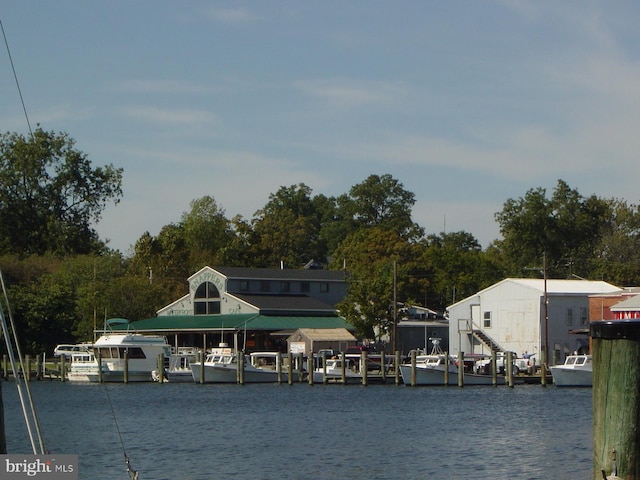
[(512, 315), (250, 308)]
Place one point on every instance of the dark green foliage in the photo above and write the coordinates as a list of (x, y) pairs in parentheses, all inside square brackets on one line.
[(50, 195)]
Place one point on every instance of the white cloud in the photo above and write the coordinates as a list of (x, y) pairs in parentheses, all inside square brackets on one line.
[(170, 116), (351, 93), (231, 15), (162, 86)]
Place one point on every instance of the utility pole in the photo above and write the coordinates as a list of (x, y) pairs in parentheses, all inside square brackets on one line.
[(546, 313), (395, 307)]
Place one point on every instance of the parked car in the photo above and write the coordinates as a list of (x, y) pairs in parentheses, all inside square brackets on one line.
[(484, 366), (526, 364), (68, 350)]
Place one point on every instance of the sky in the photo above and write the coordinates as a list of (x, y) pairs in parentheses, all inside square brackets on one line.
[(466, 103)]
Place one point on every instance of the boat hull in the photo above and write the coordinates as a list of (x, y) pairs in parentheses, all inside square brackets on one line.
[(224, 374), (435, 377), (564, 377)]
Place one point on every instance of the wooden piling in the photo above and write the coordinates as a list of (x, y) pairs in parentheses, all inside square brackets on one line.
[(383, 367), (202, 358), (39, 368), (509, 369), (494, 368), (324, 368), (412, 358), (343, 370), (5, 368), (99, 360), (125, 377), (300, 364), (240, 365), (63, 368), (364, 367), (396, 367), (160, 367), (279, 368), (616, 398), (543, 368), (446, 368), (460, 369), (290, 369)]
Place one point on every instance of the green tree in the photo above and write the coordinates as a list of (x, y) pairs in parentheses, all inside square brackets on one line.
[(381, 201), (51, 195), (369, 255), (207, 232), (287, 229), (567, 227), (618, 254), (457, 267)]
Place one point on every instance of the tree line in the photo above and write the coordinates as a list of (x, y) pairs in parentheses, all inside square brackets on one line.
[(63, 280)]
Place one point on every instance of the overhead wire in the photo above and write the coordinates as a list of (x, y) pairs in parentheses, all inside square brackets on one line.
[(15, 76)]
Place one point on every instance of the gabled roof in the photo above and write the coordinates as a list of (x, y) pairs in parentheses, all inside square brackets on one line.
[(566, 286), (630, 304), (280, 274), (554, 287), (327, 334)]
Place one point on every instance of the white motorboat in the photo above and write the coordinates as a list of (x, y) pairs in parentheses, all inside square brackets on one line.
[(84, 367), (576, 371), (430, 370), (333, 371), (221, 366), (178, 366), (136, 353)]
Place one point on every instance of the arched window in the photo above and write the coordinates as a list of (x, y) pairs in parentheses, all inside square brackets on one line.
[(206, 301)]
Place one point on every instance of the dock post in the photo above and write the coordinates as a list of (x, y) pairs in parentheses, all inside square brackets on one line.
[(616, 398), (310, 368), (27, 373), (240, 360), (300, 357), (63, 368), (446, 368), (543, 367), (279, 368), (202, 357), (160, 367), (324, 367), (383, 367), (5, 368), (494, 368), (412, 355), (509, 369), (99, 360), (38, 368), (125, 376), (364, 367), (396, 367), (460, 369), (343, 368), (290, 369)]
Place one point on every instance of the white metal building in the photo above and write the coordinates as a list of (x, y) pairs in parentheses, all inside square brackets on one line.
[(510, 316)]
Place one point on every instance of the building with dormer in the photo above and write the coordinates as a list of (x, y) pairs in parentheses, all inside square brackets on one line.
[(250, 308)]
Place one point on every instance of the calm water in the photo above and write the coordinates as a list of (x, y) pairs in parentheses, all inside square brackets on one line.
[(189, 431)]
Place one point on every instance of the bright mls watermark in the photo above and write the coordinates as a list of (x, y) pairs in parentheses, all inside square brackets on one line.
[(49, 467)]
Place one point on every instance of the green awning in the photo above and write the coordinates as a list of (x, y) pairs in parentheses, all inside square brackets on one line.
[(268, 322), (204, 323)]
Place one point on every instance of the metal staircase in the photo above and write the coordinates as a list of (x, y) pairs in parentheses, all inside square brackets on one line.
[(487, 340)]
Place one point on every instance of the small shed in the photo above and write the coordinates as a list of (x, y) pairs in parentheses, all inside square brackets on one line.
[(312, 340)]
